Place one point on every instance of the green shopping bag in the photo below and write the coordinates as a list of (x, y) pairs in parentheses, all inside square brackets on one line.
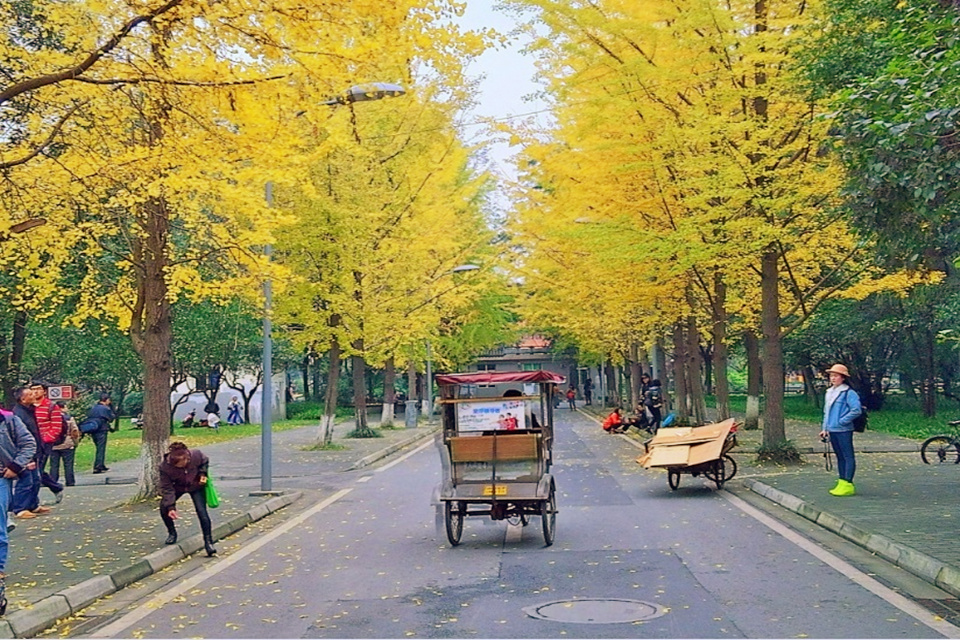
[(213, 500)]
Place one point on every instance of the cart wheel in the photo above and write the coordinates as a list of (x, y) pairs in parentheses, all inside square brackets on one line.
[(673, 479), (722, 470), (454, 520), (548, 511)]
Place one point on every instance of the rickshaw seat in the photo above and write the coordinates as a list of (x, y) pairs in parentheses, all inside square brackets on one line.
[(517, 446)]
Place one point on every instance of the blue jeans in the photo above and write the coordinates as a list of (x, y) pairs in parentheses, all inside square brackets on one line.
[(842, 443), (6, 494), (26, 495)]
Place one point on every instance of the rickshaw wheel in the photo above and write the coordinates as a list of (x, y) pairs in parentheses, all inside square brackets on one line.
[(454, 519), (673, 479), (548, 514)]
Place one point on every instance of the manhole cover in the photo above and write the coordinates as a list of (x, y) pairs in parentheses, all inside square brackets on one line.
[(595, 611)]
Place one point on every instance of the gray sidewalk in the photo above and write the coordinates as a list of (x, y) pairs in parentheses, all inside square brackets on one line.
[(98, 539)]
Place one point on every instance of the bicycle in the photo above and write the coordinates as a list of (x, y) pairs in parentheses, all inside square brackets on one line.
[(942, 448)]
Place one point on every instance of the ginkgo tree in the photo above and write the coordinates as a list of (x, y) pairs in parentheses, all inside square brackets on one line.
[(682, 124), (145, 133)]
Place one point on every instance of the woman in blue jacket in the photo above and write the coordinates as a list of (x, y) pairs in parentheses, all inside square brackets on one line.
[(840, 408)]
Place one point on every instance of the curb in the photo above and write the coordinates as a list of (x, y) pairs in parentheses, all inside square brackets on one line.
[(919, 564), (383, 453), (25, 623)]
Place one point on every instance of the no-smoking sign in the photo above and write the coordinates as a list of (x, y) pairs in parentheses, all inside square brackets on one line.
[(64, 392)]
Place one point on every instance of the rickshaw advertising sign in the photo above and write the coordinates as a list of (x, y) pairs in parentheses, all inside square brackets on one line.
[(496, 415)]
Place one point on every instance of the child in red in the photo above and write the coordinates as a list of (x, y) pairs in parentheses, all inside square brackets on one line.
[(572, 399)]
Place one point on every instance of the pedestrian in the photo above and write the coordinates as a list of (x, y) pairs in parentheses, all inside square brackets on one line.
[(653, 400), (614, 422), (212, 411), (572, 399), (840, 408), (103, 416), (189, 420), (588, 391), (233, 412), (50, 426), (185, 471), (66, 450), (26, 494), (17, 450)]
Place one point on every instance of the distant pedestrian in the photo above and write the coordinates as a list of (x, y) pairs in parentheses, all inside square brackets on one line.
[(101, 413), (50, 426), (588, 391), (66, 449), (26, 493), (233, 412), (841, 406), (572, 398), (17, 450), (653, 400), (185, 471), (212, 411)]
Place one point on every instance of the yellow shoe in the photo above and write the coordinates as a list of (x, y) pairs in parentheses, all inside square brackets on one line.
[(843, 488)]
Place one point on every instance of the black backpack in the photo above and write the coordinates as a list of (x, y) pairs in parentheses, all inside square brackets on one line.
[(860, 422)]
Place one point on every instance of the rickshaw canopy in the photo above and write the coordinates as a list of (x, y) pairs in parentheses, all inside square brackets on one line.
[(494, 377)]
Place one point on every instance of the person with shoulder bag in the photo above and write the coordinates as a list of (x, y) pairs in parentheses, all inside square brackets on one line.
[(185, 471), (66, 449), (97, 426), (17, 450), (841, 408)]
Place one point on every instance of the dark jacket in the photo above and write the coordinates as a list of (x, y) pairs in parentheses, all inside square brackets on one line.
[(102, 414), (174, 482), (27, 413), (17, 446)]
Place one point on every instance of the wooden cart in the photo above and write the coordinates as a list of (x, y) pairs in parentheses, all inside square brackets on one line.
[(694, 451), (497, 448)]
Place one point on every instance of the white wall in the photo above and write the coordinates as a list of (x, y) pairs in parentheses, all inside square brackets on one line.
[(198, 400)]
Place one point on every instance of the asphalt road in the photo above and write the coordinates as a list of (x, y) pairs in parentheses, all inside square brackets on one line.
[(365, 559)]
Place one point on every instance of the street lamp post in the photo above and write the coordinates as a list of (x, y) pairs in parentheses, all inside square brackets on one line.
[(357, 93)]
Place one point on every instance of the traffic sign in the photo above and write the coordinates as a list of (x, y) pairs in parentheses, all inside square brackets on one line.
[(63, 392)]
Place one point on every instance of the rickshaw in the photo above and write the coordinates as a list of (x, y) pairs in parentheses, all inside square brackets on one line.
[(497, 448)]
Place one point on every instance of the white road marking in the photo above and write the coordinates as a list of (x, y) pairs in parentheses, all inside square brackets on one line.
[(426, 444), (116, 627), (365, 479), (900, 602)]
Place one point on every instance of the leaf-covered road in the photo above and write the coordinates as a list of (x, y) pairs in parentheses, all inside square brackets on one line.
[(370, 562)]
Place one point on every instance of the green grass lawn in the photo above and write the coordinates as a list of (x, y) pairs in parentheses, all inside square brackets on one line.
[(900, 415), (125, 443)]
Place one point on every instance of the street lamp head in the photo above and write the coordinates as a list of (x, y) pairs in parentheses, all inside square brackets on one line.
[(366, 92)]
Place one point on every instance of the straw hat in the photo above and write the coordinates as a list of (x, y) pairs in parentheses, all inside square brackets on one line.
[(841, 369)]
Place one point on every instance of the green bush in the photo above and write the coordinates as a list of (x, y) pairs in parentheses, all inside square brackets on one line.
[(132, 404)]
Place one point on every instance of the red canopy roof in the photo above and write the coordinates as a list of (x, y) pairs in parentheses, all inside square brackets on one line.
[(494, 377)]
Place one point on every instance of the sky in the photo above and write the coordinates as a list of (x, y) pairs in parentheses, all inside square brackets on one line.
[(507, 84)]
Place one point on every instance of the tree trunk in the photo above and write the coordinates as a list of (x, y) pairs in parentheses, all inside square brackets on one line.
[(330, 398), (752, 346), (152, 334), (11, 366), (315, 373), (809, 388), (612, 393), (305, 374), (389, 392), (698, 403), (773, 427), (680, 373), (635, 371), (706, 357), (928, 393), (722, 384), (359, 389)]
